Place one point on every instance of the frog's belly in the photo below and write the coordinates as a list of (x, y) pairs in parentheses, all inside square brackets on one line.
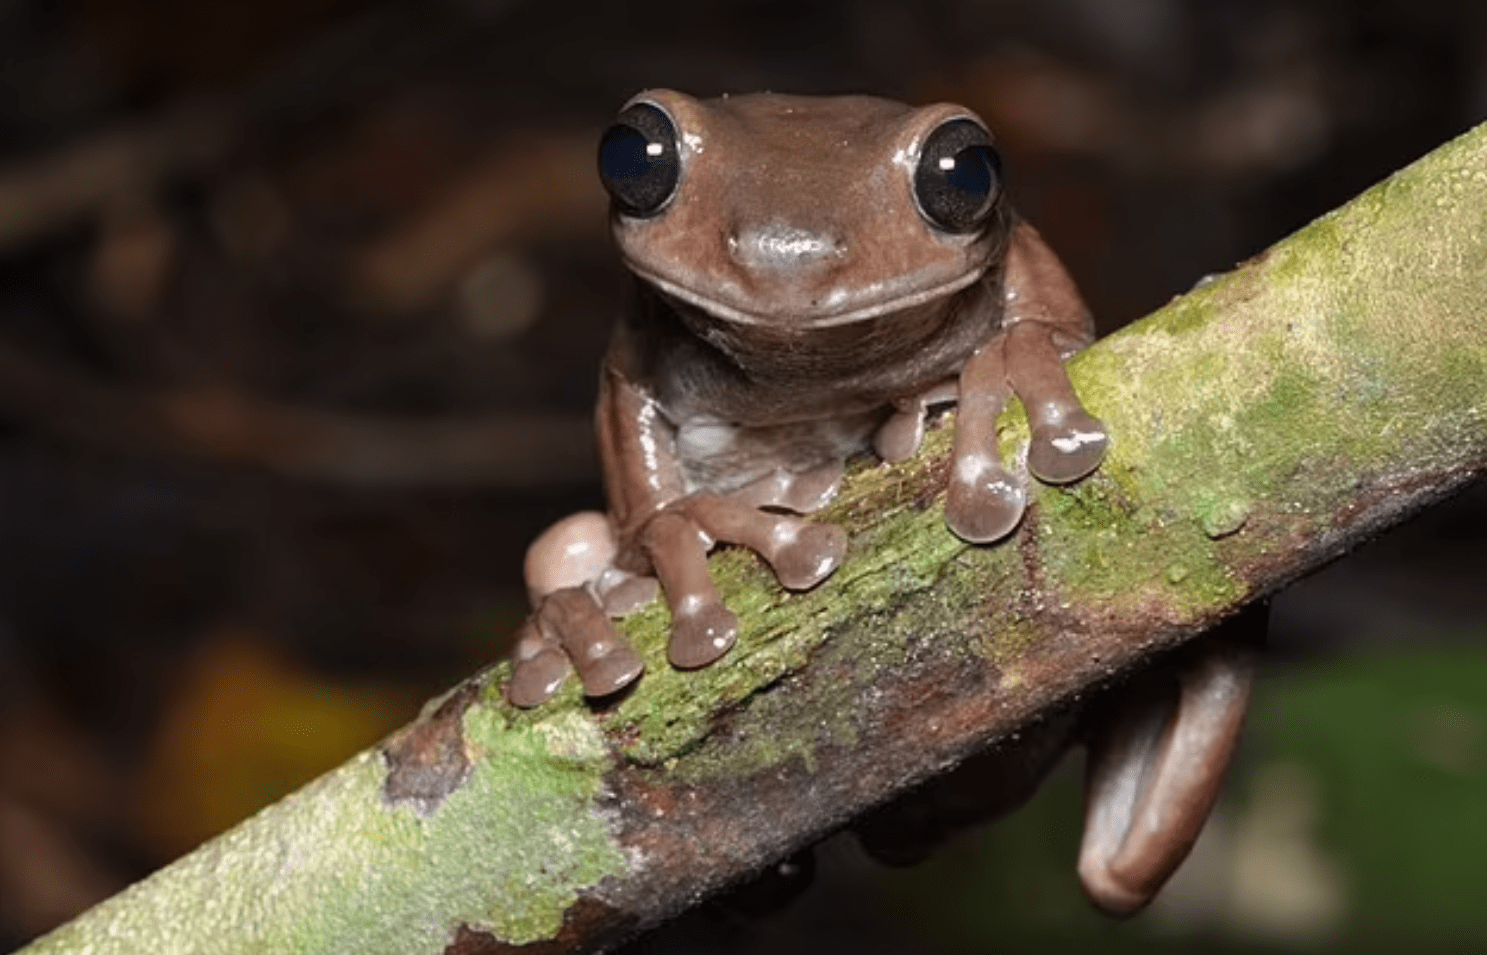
[(720, 456)]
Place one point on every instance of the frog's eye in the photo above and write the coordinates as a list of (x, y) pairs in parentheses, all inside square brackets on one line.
[(638, 161), (959, 176)]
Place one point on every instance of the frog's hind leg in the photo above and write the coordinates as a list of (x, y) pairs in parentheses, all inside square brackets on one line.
[(1155, 768), (568, 628), (570, 553)]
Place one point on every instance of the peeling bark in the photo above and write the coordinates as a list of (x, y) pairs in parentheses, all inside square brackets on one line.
[(426, 761), (1262, 425)]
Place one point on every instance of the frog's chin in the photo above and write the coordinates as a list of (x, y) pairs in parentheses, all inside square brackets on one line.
[(822, 316)]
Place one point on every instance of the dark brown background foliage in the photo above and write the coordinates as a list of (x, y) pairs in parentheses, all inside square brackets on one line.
[(301, 302)]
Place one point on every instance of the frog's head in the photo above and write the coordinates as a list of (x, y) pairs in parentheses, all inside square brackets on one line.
[(795, 213)]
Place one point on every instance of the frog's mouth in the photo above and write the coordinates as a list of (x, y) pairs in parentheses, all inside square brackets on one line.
[(827, 311)]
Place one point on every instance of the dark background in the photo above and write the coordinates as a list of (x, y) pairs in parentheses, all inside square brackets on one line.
[(275, 275)]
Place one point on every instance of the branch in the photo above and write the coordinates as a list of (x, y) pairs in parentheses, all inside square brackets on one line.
[(1262, 424)]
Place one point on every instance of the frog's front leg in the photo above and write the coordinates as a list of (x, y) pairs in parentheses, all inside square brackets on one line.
[(1045, 321)]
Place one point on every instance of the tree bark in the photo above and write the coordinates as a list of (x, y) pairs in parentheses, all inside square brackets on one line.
[(1262, 424)]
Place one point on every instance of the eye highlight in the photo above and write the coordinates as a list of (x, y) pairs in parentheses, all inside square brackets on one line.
[(959, 177), (638, 160)]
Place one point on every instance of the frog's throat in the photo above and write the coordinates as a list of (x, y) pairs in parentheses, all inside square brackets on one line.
[(806, 319)]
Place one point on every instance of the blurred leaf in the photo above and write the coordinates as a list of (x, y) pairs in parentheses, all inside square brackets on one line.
[(245, 727)]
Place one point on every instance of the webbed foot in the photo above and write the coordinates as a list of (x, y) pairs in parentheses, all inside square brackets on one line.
[(800, 552)]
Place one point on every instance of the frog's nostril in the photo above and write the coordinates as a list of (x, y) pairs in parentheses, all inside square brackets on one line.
[(778, 247)]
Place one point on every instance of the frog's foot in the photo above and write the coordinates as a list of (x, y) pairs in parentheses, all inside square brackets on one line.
[(570, 627), (702, 629), (539, 667), (801, 553), (1067, 443), (1155, 768), (803, 492), (984, 502)]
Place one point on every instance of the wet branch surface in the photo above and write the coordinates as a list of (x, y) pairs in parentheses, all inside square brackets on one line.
[(1262, 424)]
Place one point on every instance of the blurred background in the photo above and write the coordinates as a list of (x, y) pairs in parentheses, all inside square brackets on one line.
[(301, 305)]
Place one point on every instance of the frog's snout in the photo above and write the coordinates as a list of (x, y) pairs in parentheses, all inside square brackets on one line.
[(785, 249)]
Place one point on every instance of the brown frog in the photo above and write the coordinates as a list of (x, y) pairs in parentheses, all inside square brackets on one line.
[(812, 275)]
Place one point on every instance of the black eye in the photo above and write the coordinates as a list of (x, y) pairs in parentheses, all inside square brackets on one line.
[(959, 176), (638, 161)]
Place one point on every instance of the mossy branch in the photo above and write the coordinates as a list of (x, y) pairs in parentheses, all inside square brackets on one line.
[(1261, 425)]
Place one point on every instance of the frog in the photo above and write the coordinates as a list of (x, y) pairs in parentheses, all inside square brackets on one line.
[(812, 279)]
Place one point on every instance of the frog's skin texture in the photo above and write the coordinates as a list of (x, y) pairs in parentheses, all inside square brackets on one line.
[(812, 274)]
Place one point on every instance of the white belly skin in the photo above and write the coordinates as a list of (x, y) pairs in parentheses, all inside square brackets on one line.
[(720, 457)]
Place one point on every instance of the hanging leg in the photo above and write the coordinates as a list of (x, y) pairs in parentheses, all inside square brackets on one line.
[(1156, 765)]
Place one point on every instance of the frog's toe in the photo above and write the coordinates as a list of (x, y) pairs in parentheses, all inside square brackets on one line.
[(538, 669), (809, 554), (533, 682), (612, 672), (622, 594), (700, 636), (900, 436), (812, 490), (984, 503), (605, 661), (1066, 452)]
